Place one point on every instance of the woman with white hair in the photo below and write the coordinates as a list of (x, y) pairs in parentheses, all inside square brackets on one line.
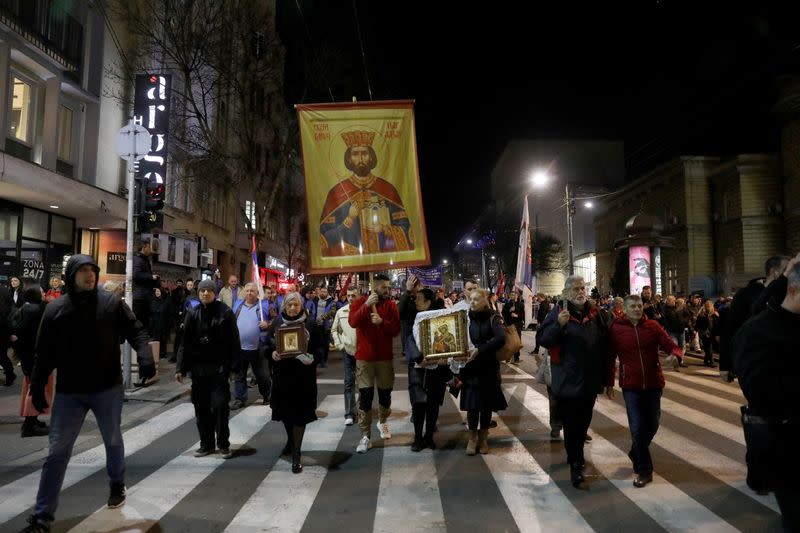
[(294, 379)]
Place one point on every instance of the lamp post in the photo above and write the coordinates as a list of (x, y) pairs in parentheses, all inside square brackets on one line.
[(539, 180)]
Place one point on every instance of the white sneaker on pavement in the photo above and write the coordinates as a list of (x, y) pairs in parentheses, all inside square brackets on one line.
[(348, 421), (363, 445), (383, 429)]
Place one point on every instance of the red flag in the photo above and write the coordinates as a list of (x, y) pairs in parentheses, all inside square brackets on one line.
[(346, 284), (501, 283)]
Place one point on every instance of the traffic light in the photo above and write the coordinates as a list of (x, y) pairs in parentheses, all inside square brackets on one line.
[(154, 193)]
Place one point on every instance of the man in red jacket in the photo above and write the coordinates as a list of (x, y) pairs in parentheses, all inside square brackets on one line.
[(635, 340), (376, 321)]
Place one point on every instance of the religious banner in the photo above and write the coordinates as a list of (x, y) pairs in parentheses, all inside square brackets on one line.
[(362, 186), (429, 277)]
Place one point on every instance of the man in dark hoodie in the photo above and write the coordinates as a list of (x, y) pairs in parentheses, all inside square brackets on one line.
[(79, 336), (210, 343)]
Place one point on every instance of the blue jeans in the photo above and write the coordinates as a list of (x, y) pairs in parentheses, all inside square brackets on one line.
[(350, 405), (69, 412), (644, 413), (251, 358), (678, 338)]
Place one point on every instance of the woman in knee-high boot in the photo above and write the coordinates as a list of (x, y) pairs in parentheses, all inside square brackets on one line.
[(294, 380), (480, 382)]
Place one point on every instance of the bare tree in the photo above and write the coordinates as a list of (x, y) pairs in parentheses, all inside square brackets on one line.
[(231, 133)]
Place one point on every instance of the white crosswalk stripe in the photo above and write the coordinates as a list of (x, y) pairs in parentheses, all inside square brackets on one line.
[(18, 496), (670, 507), (285, 498), (408, 497), (407, 490), (148, 501), (535, 502)]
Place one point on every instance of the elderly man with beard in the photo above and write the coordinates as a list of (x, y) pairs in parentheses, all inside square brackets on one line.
[(576, 335)]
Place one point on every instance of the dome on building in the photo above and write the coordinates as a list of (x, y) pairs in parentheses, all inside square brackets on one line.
[(643, 224)]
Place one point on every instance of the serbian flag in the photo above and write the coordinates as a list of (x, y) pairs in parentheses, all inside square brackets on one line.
[(501, 283), (523, 275), (346, 283)]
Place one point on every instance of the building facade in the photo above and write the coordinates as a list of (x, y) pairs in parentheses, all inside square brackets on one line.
[(725, 218)]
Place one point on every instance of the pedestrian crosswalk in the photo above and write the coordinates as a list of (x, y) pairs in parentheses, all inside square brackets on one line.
[(521, 485)]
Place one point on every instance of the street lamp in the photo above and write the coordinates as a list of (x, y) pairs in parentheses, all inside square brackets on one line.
[(539, 180)]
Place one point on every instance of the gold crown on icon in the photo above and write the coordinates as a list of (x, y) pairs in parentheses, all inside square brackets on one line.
[(358, 138)]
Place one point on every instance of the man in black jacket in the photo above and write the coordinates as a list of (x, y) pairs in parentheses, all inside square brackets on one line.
[(80, 337), (576, 335), (514, 315), (742, 309), (210, 343), (144, 281), (764, 356)]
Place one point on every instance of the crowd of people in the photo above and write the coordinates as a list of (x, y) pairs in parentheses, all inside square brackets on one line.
[(223, 333)]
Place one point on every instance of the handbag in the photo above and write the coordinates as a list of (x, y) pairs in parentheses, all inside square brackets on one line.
[(512, 345), (26, 407), (762, 435)]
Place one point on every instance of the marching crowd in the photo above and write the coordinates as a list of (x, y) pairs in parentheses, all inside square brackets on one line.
[(587, 345)]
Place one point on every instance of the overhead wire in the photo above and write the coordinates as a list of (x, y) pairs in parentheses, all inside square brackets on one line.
[(313, 53)]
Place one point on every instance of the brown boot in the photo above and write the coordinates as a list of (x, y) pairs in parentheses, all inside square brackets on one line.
[(483, 441), (472, 444)]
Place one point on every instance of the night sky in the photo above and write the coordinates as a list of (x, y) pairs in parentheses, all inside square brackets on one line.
[(665, 78)]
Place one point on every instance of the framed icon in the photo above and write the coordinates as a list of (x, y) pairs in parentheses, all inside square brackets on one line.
[(444, 336), (291, 340)]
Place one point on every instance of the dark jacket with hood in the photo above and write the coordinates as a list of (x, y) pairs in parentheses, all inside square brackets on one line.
[(79, 335), (210, 340)]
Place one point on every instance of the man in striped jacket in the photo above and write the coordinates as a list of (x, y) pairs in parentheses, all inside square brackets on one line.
[(635, 340)]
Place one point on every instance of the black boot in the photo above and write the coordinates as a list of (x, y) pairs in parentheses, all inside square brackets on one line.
[(297, 438), (31, 429), (576, 474), (287, 450)]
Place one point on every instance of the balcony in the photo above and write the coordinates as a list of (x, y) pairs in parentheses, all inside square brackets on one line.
[(48, 27)]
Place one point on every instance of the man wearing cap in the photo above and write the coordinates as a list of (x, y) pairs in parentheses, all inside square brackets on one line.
[(210, 344), (80, 337)]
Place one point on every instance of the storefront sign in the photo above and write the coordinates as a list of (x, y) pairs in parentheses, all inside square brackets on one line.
[(151, 110), (115, 263), (657, 269)]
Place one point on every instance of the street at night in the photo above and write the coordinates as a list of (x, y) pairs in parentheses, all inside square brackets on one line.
[(522, 485), (359, 265)]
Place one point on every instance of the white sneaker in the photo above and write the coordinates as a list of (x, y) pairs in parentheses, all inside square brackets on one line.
[(383, 429), (348, 421), (363, 445)]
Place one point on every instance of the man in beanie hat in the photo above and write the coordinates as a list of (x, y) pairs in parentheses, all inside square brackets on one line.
[(80, 337), (210, 344)]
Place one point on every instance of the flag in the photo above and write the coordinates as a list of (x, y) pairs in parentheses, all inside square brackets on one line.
[(256, 277), (362, 223), (523, 275), (346, 283), (501, 283)]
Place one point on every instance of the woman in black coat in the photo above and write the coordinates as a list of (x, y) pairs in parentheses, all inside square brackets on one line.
[(160, 320), (17, 292), (480, 378), (426, 384), (24, 328), (294, 379)]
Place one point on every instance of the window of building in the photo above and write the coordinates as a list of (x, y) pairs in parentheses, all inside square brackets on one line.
[(34, 224), (21, 120), (250, 212), (62, 230), (65, 133)]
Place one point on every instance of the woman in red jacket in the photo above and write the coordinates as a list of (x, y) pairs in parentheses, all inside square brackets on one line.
[(635, 340)]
